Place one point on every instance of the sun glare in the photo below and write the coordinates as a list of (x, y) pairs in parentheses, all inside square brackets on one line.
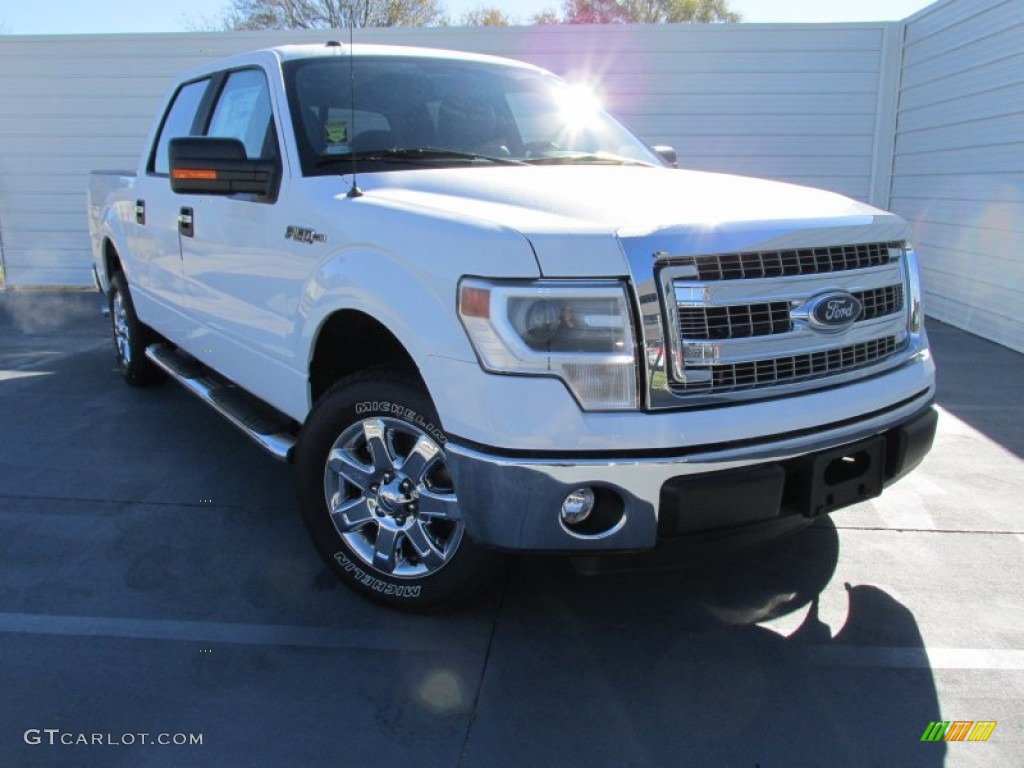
[(579, 105)]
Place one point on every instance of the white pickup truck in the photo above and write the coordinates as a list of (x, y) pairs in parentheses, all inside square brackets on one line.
[(479, 314)]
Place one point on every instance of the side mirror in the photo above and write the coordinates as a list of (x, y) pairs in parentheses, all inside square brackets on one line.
[(668, 154), (203, 165)]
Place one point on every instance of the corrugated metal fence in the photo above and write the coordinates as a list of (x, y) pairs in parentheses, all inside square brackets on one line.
[(812, 104), (959, 170), (798, 103)]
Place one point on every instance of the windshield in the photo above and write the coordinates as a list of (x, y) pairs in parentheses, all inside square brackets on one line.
[(411, 112)]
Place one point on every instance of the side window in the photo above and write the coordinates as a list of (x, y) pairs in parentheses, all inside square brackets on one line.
[(179, 122), (243, 113)]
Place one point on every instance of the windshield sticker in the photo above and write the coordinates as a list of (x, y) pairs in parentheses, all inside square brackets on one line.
[(336, 133)]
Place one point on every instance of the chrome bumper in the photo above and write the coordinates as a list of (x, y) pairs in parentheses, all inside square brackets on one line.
[(514, 503)]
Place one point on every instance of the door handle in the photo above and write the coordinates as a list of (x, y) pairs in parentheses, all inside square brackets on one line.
[(186, 225), (140, 211)]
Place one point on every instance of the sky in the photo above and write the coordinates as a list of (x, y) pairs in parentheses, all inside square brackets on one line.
[(24, 17)]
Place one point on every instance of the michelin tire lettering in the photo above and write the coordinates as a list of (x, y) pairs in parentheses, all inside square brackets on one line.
[(377, 585)]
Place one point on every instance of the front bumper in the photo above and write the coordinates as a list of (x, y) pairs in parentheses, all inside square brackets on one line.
[(514, 502)]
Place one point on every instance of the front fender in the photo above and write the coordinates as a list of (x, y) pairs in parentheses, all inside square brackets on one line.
[(408, 280)]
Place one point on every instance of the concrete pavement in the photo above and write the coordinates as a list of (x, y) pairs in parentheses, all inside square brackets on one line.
[(157, 580)]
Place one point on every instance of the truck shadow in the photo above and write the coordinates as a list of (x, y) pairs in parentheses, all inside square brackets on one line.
[(677, 667)]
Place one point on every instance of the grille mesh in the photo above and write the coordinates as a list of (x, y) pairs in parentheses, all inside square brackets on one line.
[(785, 370), (880, 302), (735, 322), (803, 261)]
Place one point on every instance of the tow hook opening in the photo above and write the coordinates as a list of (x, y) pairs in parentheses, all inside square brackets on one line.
[(847, 468), (839, 478)]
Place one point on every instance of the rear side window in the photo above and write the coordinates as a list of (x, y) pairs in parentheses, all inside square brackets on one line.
[(180, 121), (243, 113)]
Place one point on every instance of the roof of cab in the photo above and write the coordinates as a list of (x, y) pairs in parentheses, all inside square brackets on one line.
[(334, 48), (284, 53)]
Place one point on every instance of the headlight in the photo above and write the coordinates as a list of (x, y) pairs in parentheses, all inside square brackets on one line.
[(580, 332)]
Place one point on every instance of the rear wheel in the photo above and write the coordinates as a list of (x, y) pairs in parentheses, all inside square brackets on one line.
[(131, 337), (378, 498)]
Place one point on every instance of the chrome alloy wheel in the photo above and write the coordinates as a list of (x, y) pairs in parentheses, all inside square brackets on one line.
[(390, 497), (122, 330)]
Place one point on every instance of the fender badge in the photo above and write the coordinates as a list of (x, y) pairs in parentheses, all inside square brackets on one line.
[(303, 235)]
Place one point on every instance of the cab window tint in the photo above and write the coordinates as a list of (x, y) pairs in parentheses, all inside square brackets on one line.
[(180, 121), (243, 112)]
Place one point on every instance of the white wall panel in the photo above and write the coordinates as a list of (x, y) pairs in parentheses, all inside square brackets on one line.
[(794, 102), (958, 174), (811, 104)]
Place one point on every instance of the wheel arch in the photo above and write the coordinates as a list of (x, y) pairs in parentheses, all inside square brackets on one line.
[(349, 341), (111, 261)]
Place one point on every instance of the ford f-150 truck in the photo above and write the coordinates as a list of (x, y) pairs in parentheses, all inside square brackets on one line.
[(479, 315)]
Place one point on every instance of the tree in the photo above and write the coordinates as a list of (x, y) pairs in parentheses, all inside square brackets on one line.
[(547, 16), (648, 11), (486, 17), (332, 14)]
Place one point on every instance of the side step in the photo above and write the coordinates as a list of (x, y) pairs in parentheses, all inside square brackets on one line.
[(267, 427)]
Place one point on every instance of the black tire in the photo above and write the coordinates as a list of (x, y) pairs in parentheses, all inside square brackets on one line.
[(373, 450), (131, 337)]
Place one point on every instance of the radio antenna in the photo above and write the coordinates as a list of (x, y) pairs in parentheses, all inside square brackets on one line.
[(354, 191)]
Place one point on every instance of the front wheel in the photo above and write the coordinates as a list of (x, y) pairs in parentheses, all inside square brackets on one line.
[(378, 498)]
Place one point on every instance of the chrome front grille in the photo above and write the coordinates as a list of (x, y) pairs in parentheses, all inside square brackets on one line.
[(745, 322), (789, 263)]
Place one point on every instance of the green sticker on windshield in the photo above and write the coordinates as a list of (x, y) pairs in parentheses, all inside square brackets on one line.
[(336, 131)]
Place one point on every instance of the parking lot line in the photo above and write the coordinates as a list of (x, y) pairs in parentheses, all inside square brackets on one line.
[(917, 658), (423, 640)]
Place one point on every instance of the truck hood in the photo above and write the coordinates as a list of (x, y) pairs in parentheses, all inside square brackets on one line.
[(566, 211)]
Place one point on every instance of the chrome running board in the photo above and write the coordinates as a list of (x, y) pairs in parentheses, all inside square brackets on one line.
[(268, 428)]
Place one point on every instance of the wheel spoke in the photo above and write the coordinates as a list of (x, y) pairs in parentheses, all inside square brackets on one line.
[(428, 552), (439, 506), (342, 463), (121, 329), (351, 514), (420, 459), (385, 549), (375, 433)]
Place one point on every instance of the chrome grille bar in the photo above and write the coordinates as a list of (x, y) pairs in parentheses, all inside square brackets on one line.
[(741, 321)]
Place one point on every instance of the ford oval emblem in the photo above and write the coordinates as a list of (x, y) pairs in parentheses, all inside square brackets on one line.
[(834, 312)]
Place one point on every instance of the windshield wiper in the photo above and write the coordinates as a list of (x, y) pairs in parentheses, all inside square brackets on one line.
[(606, 158), (414, 155)]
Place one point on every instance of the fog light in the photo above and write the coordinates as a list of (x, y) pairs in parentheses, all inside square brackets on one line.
[(577, 506)]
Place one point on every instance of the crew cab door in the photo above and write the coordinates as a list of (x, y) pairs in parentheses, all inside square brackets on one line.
[(155, 268), (242, 278)]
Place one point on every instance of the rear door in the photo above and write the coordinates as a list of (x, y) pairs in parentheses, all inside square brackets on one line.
[(243, 278)]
